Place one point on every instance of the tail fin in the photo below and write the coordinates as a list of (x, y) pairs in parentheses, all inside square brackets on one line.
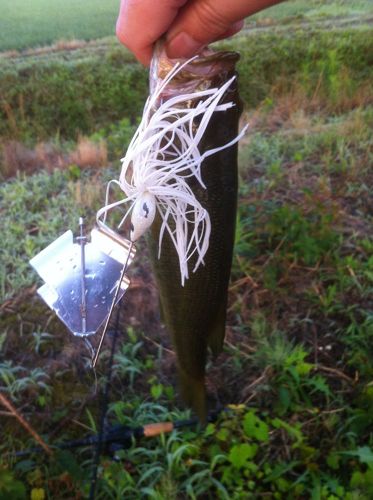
[(193, 393), (193, 361)]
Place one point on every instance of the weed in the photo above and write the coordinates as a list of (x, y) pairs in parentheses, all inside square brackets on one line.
[(89, 154), (127, 362), (17, 380), (41, 339), (85, 95)]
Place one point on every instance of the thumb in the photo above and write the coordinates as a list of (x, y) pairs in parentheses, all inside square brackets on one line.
[(201, 22)]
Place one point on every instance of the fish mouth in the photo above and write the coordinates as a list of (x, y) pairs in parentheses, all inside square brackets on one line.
[(210, 68)]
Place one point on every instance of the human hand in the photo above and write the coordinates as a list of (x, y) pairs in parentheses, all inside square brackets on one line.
[(188, 25)]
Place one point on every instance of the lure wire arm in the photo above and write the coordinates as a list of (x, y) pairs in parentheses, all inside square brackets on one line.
[(82, 239), (113, 303)]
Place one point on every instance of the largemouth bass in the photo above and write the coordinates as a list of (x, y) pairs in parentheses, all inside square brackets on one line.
[(195, 314)]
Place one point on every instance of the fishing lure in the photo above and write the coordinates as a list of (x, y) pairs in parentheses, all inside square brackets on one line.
[(160, 161)]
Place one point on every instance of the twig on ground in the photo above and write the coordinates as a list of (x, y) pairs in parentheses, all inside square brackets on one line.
[(335, 372), (74, 421), (9, 406), (157, 344), (241, 348), (266, 372), (6, 414)]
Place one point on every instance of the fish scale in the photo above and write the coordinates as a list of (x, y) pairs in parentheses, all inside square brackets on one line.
[(195, 314)]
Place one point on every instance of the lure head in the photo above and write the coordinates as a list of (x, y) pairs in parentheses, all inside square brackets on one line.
[(143, 214)]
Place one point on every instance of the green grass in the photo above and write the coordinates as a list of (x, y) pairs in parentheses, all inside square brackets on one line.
[(42, 22), (314, 10), (44, 97)]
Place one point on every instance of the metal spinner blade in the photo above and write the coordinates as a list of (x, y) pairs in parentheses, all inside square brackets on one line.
[(84, 279)]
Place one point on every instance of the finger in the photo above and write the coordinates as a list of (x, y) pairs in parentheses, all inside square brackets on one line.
[(201, 22), (142, 22), (235, 28)]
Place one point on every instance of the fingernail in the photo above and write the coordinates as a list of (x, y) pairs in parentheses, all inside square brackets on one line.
[(182, 45)]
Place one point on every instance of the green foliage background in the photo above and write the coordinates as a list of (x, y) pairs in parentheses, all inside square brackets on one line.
[(42, 22), (44, 95)]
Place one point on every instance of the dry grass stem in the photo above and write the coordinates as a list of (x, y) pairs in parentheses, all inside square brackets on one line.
[(9, 406), (89, 153)]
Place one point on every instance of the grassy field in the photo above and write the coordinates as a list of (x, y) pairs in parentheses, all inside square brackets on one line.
[(52, 98), (42, 22), (314, 10), (296, 373)]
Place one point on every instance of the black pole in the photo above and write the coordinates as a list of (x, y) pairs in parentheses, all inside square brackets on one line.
[(104, 407)]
